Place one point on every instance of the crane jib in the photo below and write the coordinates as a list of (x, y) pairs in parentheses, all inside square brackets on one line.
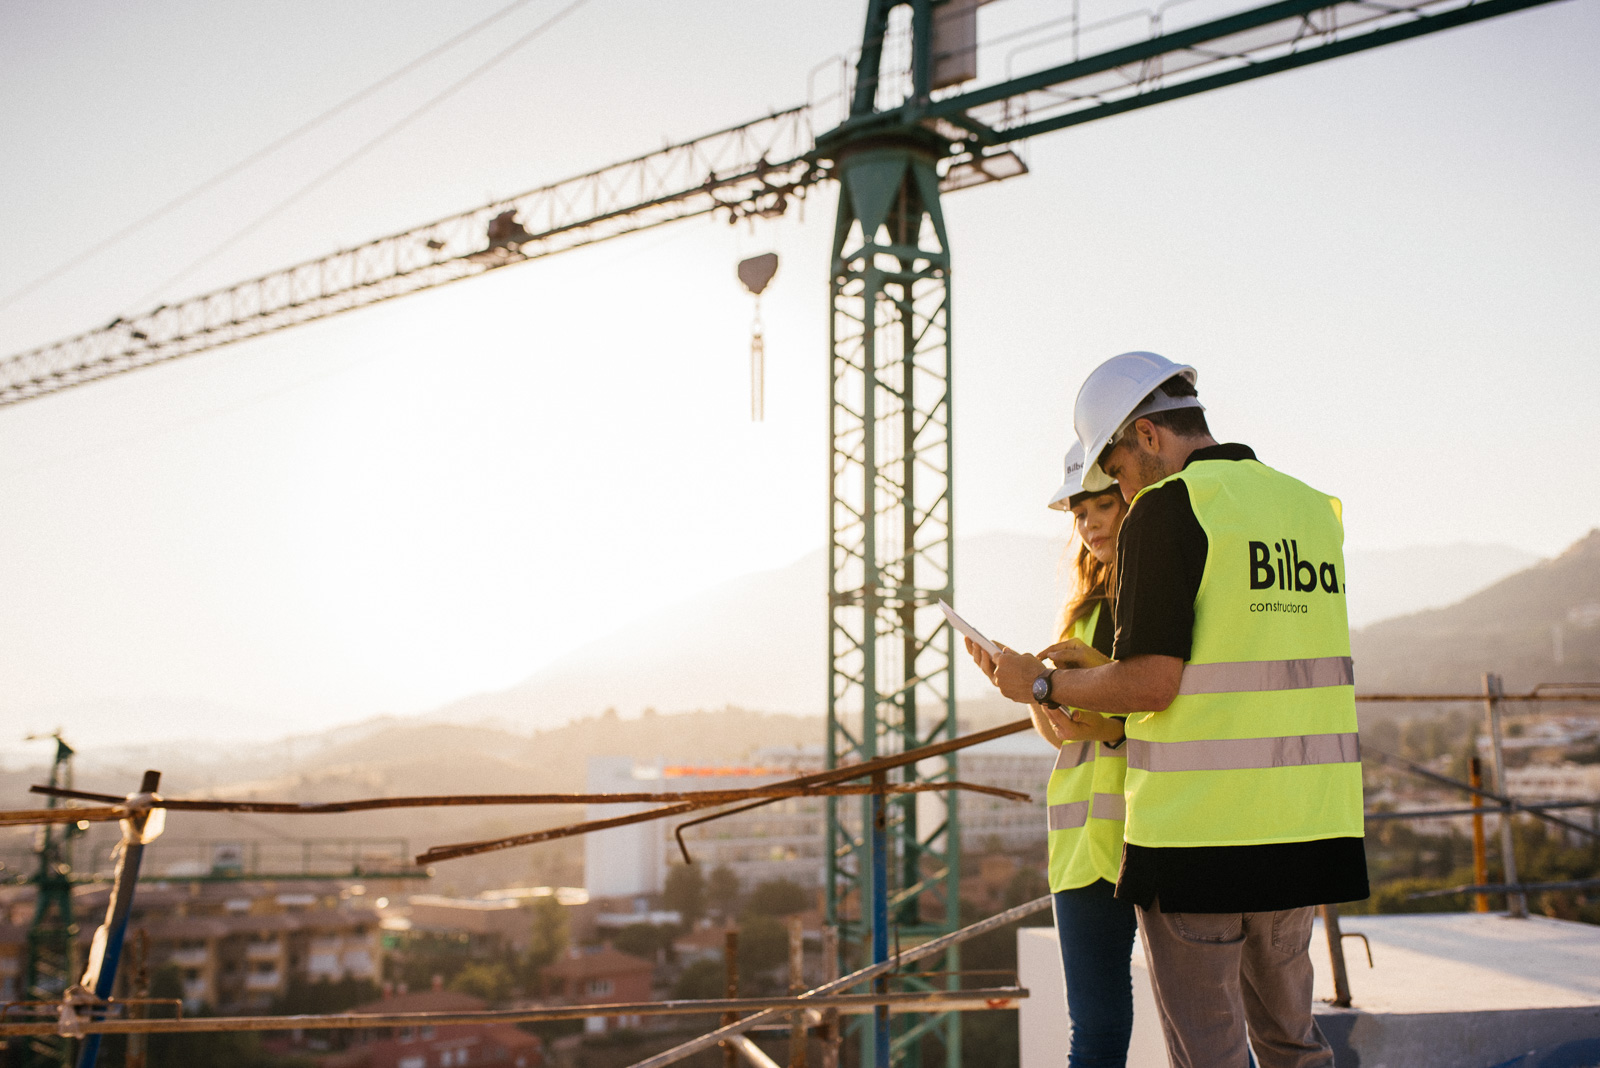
[(730, 170)]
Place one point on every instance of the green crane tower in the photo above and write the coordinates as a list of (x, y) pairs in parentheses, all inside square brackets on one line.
[(892, 866)]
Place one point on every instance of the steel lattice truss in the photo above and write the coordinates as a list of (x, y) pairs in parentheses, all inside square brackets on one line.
[(1169, 63), (753, 168), (890, 652)]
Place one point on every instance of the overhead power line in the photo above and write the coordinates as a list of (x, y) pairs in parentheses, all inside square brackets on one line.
[(260, 154)]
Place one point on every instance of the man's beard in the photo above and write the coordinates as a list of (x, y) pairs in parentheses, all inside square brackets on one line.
[(1151, 468)]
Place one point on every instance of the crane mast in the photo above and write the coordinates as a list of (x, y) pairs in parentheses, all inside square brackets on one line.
[(891, 864)]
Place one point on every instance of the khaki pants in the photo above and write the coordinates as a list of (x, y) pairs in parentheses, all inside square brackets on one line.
[(1213, 973)]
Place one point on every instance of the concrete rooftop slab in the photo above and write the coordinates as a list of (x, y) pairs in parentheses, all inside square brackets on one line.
[(1464, 962)]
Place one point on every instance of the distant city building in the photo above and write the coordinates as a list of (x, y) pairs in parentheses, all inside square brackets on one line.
[(501, 921), (429, 1046), (1554, 782), (1020, 762), (598, 977), (1545, 732), (780, 840), (237, 945), (785, 839)]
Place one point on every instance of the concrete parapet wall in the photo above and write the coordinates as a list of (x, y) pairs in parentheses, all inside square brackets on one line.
[(1457, 1039), (1453, 990)]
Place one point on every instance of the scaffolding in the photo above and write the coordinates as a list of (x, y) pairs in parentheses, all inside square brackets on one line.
[(56, 1012)]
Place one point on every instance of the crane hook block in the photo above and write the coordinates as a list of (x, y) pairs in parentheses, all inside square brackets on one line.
[(757, 271)]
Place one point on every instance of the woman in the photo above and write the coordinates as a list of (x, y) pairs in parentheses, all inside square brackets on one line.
[(1085, 796), (1085, 803)]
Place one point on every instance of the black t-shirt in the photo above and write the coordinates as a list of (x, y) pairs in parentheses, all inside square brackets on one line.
[(1161, 557), (1105, 629)]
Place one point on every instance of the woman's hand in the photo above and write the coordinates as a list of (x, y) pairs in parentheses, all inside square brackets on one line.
[(1080, 725), (1074, 653), (1045, 728)]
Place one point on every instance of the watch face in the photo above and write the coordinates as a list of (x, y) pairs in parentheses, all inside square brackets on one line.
[(1041, 688)]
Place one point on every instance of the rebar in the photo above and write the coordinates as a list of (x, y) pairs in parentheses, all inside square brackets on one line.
[(816, 995), (902, 1001), (805, 783)]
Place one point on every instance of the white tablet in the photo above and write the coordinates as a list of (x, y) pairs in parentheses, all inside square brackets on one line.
[(969, 630)]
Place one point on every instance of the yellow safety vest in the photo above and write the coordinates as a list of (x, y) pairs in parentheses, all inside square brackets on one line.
[(1085, 802), (1260, 745)]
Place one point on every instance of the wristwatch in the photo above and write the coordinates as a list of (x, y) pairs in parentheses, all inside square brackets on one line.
[(1041, 689)]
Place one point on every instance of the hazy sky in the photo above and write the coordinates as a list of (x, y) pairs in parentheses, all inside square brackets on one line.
[(1385, 268)]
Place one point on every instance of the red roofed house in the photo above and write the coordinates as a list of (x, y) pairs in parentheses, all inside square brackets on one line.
[(436, 1046), (598, 977)]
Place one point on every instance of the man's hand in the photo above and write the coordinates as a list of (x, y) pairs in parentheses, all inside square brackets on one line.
[(1014, 673), (1074, 653), (980, 657)]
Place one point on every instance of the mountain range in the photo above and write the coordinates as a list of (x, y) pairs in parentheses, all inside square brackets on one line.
[(760, 641), (753, 643), (1539, 625)]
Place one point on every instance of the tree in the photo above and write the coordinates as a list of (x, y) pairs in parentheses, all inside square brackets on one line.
[(550, 932), (236, 1049), (778, 897), (323, 996), (702, 979), (645, 939), (763, 945), (722, 891), (685, 892), (492, 981)]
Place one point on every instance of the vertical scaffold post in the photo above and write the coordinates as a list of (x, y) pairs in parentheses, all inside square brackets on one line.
[(891, 557), (106, 952), (730, 969), (1480, 854), (52, 936), (1516, 903)]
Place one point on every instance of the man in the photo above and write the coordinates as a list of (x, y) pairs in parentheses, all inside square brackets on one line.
[(1232, 657)]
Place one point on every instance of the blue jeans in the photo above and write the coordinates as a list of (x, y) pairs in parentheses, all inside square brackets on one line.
[(1096, 934)]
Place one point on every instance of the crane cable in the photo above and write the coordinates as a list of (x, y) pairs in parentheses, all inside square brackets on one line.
[(260, 154), (389, 131)]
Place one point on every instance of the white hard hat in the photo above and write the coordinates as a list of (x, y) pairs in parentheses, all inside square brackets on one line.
[(1110, 399), (1073, 484)]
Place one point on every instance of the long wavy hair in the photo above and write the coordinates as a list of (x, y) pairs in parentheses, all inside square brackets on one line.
[(1094, 584)]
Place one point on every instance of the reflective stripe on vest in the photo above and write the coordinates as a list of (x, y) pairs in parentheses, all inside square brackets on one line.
[(1109, 806), (1075, 814), (1074, 755), (1084, 801), (1247, 676), (1232, 754), (1066, 817)]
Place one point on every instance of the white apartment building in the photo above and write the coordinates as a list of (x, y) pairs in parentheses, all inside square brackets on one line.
[(1554, 782), (786, 839)]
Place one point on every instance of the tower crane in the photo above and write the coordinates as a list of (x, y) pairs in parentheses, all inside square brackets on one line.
[(912, 135)]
